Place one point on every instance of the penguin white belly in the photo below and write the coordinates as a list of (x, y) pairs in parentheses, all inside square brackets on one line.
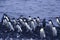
[(42, 33), (28, 27), (19, 28), (54, 31), (33, 25), (29, 19), (4, 22), (58, 21), (21, 21), (10, 26), (6, 18)]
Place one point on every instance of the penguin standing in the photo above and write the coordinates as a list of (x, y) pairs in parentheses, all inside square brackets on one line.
[(42, 33), (58, 20), (10, 26), (38, 21), (32, 25), (35, 22), (29, 18), (6, 21), (18, 27), (53, 30), (27, 26)]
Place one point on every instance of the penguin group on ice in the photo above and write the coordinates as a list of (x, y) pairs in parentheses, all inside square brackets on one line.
[(30, 27)]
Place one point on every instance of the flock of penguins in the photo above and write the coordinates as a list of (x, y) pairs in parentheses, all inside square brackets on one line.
[(28, 28)]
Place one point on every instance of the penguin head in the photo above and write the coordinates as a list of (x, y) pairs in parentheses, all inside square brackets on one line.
[(6, 17), (34, 19), (21, 16), (29, 18), (57, 19), (50, 22), (38, 18)]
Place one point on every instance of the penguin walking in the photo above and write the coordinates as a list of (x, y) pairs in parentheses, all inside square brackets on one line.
[(27, 26), (18, 26), (5, 19), (32, 25), (10, 26)]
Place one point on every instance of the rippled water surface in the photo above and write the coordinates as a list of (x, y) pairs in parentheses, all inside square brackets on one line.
[(42, 8)]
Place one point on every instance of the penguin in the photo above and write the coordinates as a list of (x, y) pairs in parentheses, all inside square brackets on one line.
[(13, 21), (58, 20), (27, 26), (29, 18), (21, 21), (51, 23), (42, 33), (32, 25), (6, 21), (6, 17), (38, 19), (10, 26), (52, 28), (44, 22), (18, 26)]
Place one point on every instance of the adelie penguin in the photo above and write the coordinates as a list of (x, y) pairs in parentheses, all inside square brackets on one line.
[(10, 26), (6, 21), (35, 22), (51, 23), (5, 18), (38, 21), (29, 18), (27, 26), (58, 20), (18, 26), (42, 33), (52, 28)]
